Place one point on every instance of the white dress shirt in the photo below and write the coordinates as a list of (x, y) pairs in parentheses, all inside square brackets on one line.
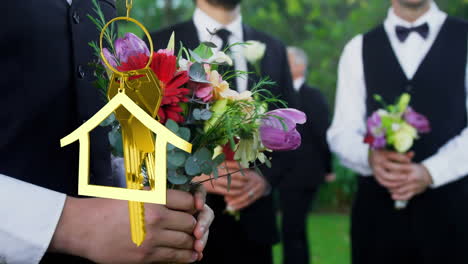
[(297, 83), (29, 217), (204, 23), (347, 131)]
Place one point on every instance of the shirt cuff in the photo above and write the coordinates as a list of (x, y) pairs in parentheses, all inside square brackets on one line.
[(31, 217), (438, 169)]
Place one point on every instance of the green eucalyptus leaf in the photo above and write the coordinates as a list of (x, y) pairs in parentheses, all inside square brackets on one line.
[(192, 167), (172, 125), (171, 166), (184, 133), (176, 158), (175, 178), (268, 163), (197, 73), (108, 121), (205, 114), (170, 147), (215, 172), (115, 140), (196, 114), (206, 167), (203, 155), (219, 159)]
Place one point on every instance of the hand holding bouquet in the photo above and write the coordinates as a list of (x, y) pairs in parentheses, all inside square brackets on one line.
[(395, 128), (199, 106)]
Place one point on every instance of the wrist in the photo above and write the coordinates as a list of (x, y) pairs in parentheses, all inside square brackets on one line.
[(69, 236), (427, 175)]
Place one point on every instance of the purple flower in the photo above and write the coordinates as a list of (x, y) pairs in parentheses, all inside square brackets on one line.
[(129, 46), (109, 57), (418, 121), (278, 130), (379, 142), (374, 125)]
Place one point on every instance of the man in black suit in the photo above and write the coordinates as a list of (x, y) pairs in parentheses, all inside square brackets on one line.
[(309, 168), (46, 93), (248, 240)]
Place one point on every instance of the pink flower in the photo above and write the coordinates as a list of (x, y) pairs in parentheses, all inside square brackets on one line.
[(278, 130), (204, 91)]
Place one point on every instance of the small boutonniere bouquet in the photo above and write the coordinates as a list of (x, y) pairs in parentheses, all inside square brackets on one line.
[(199, 106), (395, 127), (254, 51)]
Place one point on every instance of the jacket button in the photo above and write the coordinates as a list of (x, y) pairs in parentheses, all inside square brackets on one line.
[(81, 73), (76, 17), (409, 88)]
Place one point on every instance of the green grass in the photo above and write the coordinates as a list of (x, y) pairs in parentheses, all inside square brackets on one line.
[(328, 239)]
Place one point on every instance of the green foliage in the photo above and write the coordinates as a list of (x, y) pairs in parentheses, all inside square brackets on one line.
[(328, 236)]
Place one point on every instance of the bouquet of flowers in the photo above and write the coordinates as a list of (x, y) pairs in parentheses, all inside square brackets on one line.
[(395, 127), (199, 106)]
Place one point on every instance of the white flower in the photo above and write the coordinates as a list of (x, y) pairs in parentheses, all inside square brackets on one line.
[(236, 96), (403, 142), (404, 138), (184, 64), (395, 126), (220, 58), (254, 51)]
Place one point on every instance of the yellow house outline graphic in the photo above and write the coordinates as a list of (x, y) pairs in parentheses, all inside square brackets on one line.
[(157, 194)]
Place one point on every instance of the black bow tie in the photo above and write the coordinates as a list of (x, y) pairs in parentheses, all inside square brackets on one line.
[(403, 32)]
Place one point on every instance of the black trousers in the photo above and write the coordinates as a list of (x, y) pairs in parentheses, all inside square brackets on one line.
[(229, 242), (295, 205), (433, 229)]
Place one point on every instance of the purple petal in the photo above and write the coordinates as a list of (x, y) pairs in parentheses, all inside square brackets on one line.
[(109, 57), (280, 140), (292, 114), (288, 117), (379, 142), (130, 45), (418, 121)]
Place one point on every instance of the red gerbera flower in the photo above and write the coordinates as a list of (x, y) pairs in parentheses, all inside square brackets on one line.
[(165, 68)]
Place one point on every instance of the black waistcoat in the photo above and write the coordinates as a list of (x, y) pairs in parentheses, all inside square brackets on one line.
[(47, 92), (437, 89)]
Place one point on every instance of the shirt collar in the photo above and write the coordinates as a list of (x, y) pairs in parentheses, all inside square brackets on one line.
[(203, 22), (298, 83), (434, 17)]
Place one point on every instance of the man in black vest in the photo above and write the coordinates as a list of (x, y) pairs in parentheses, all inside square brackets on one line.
[(418, 50), (47, 92), (248, 240), (311, 164)]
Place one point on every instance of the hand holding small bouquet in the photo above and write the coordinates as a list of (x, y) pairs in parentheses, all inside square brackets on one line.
[(395, 128)]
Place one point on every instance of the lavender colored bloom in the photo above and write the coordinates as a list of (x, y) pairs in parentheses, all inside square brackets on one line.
[(109, 57), (130, 45), (418, 121), (278, 130), (379, 142), (374, 125)]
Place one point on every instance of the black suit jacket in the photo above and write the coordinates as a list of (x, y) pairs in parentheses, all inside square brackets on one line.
[(313, 158), (258, 220), (47, 92)]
